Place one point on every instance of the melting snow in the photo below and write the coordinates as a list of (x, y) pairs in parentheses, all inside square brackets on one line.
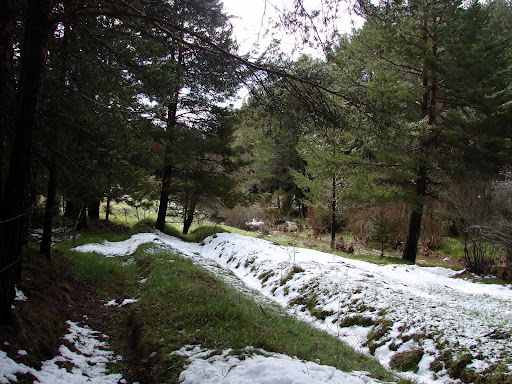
[(259, 367), (88, 362), (425, 307)]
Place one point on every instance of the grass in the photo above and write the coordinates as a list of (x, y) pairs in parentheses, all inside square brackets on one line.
[(453, 247), (183, 304), (123, 213)]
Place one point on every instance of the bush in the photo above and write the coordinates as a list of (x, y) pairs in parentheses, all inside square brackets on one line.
[(239, 216), (361, 223), (480, 257), (320, 221)]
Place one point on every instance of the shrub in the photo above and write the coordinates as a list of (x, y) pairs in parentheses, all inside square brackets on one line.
[(239, 216), (480, 257)]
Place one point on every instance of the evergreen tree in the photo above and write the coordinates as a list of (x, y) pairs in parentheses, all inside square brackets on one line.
[(203, 177), (196, 80), (427, 83), (382, 231)]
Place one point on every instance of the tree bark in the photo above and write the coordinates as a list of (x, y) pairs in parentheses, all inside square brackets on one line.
[(413, 234), (70, 211), (427, 108), (167, 170), (16, 202), (6, 75), (93, 210), (164, 199), (81, 219), (46, 241), (189, 213), (333, 214), (107, 208)]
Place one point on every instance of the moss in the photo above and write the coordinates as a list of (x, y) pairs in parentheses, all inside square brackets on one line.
[(393, 346), (379, 330), (407, 361), (321, 314), (249, 262)]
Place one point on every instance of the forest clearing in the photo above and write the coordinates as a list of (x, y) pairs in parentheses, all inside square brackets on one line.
[(429, 324), (332, 202)]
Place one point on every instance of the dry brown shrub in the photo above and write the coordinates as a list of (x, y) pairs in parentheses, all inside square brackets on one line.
[(433, 227), (239, 216), (360, 223)]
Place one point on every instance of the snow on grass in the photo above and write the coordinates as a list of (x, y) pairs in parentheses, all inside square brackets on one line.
[(259, 367), (115, 303), (383, 310), (87, 361)]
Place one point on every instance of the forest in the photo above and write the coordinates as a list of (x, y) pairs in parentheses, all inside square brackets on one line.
[(399, 134)]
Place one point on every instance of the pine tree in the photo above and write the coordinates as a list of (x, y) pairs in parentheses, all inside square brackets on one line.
[(428, 75), (382, 231)]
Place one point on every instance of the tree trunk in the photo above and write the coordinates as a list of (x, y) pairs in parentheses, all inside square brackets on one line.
[(6, 75), (427, 108), (333, 214), (189, 214), (81, 219), (93, 210), (167, 171), (46, 241), (164, 199), (70, 211), (16, 203), (107, 208), (413, 235)]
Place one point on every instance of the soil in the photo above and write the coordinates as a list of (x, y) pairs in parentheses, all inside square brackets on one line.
[(54, 296)]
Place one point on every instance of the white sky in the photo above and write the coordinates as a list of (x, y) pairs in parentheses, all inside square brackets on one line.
[(251, 19)]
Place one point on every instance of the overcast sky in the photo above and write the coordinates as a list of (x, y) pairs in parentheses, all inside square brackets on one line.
[(251, 20)]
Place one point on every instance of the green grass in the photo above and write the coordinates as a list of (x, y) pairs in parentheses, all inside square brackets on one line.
[(454, 247), (123, 213), (181, 303)]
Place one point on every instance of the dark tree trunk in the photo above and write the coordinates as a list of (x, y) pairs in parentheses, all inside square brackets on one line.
[(6, 75), (81, 219), (107, 208), (16, 203), (427, 108), (167, 171), (70, 210), (46, 241), (333, 214), (413, 235), (189, 213), (93, 210), (164, 199), (78, 213)]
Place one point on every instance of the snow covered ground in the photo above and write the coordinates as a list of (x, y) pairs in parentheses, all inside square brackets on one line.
[(384, 310), (260, 367), (88, 361)]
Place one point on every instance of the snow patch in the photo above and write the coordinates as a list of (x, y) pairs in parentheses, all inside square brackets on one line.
[(88, 361), (411, 303), (257, 366)]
